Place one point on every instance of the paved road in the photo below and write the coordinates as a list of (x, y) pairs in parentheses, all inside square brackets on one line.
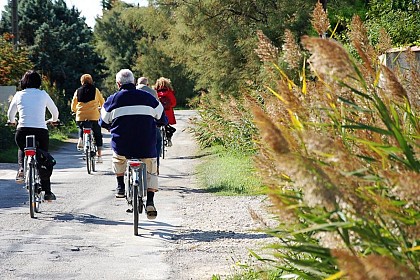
[(86, 233)]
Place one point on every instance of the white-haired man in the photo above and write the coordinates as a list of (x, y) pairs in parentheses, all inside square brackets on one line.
[(131, 118)]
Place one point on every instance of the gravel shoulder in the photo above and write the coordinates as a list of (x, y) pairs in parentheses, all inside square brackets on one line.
[(216, 232)]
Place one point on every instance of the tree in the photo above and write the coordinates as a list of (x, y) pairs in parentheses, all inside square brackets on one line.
[(400, 18), (13, 63), (216, 39), (59, 42), (115, 41)]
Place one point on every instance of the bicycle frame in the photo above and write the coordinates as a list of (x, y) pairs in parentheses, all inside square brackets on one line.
[(136, 188)]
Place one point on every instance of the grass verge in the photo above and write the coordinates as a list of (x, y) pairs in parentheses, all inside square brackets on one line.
[(57, 138), (228, 173)]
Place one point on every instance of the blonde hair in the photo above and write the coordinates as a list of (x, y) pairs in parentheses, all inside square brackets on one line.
[(86, 79), (162, 83)]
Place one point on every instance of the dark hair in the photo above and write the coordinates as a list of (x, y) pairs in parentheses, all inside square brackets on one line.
[(31, 79)]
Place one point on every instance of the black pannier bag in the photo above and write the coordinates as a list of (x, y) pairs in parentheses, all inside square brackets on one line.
[(46, 163)]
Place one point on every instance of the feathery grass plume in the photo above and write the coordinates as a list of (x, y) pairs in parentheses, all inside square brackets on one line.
[(270, 133), (319, 191), (350, 264), (406, 186), (391, 87), (412, 81), (292, 53), (359, 39), (329, 58), (341, 163), (384, 268), (371, 267), (384, 42), (266, 51), (319, 19)]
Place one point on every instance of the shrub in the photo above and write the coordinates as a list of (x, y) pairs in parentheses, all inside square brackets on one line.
[(340, 154)]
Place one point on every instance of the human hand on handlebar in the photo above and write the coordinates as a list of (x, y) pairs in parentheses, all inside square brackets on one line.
[(52, 123)]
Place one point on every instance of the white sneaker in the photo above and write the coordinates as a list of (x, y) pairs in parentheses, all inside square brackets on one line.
[(80, 144), (99, 159)]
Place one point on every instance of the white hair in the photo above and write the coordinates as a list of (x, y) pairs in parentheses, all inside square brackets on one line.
[(125, 76), (142, 81)]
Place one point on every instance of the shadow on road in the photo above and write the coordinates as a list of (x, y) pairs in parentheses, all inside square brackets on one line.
[(12, 194), (213, 235), (86, 219)]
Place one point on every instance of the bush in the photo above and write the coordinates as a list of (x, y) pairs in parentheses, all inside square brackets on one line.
[(341, 157)]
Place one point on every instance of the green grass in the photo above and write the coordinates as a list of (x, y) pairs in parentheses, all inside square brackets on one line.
[(228, 174), (9, 155), (57, 137)]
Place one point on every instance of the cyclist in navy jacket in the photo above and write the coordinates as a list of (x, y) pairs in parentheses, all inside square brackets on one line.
[(130, 115)]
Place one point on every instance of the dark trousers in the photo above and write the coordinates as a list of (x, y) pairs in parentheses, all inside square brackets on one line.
[(97, 133), (42, 141), (170, 130)]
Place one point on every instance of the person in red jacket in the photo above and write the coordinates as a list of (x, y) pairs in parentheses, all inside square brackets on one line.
[(166, 95)]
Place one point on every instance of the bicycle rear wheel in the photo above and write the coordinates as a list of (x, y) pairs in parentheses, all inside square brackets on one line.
[(31, 188), (135, 208), (92, 160), (88, 160), (37, 191), (162, 131)]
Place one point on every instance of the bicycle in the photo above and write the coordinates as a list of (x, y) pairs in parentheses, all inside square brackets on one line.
[(31, 175), (89, 148), (31, 172), (136, 189)]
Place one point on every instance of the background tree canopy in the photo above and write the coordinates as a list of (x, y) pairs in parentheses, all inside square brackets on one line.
[(201, 45), (58, 42)]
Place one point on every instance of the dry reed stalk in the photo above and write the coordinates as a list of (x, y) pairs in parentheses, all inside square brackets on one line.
[(384, 268), (319, 191), (359, 39), (413, 80), (372, 267), (292, 53), (391, 87), (329, 58), (406, 185), (319, 19), (266, 51), (271, 135), (385, 42), (350, 265)]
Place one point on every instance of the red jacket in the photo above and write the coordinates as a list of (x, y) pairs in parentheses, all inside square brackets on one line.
[(168, 100)]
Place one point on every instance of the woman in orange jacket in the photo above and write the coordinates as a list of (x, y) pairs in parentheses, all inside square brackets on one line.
[(86, 103)]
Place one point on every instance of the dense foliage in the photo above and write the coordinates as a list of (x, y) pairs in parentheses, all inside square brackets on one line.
[(58, 41), (336, 143), (13, 63), (339, 151)]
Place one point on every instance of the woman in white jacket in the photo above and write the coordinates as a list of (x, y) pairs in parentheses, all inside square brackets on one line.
[(31, 103)]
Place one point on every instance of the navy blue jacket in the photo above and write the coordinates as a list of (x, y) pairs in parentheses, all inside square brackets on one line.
[(131, 116)]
